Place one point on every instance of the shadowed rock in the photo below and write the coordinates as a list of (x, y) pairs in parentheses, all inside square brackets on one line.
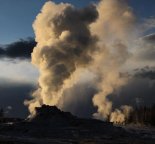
[(51, 125), (53, 117)]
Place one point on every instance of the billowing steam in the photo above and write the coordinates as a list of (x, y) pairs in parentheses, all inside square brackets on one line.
[(120, 115), (112, 28), (64, 44), (73, 43)]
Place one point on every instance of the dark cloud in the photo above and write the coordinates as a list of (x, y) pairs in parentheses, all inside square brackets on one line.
[(146, 49), (146, 72), (21, 49), (150, 38), (148, 54), (13, 94)]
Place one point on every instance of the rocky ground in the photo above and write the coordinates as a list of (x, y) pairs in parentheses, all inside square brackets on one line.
[(52, 126)]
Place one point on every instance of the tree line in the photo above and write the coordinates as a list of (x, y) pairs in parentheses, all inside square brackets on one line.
[(142, 115)]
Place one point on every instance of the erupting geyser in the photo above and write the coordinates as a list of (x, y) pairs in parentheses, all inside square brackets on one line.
[(93, 40)]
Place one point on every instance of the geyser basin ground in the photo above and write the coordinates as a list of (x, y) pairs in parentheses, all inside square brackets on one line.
[(50, 125)]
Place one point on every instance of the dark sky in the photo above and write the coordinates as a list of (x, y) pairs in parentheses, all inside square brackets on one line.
[(143, 8)]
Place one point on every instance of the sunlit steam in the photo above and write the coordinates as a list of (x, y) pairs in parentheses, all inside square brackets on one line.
[(64, 44), (72, 43), (113, 28)]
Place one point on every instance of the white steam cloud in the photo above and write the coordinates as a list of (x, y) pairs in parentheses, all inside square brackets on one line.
[(64, 45), (113, 28), (75, 43)]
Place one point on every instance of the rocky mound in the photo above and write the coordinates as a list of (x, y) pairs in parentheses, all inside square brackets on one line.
[(52, 116), (49, 121)]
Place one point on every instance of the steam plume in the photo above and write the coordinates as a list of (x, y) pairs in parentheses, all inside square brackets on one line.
[(74, 43), (120, 116), (112, 28), (64, 43)]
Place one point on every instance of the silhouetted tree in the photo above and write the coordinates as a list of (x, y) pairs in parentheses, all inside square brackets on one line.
[(143, 115)]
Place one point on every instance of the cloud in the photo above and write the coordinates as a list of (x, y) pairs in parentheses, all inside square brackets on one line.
[(143, 52), (148, 24), (18, 70), (150, 38), (21, 49), (146, 72), (145, 47)]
